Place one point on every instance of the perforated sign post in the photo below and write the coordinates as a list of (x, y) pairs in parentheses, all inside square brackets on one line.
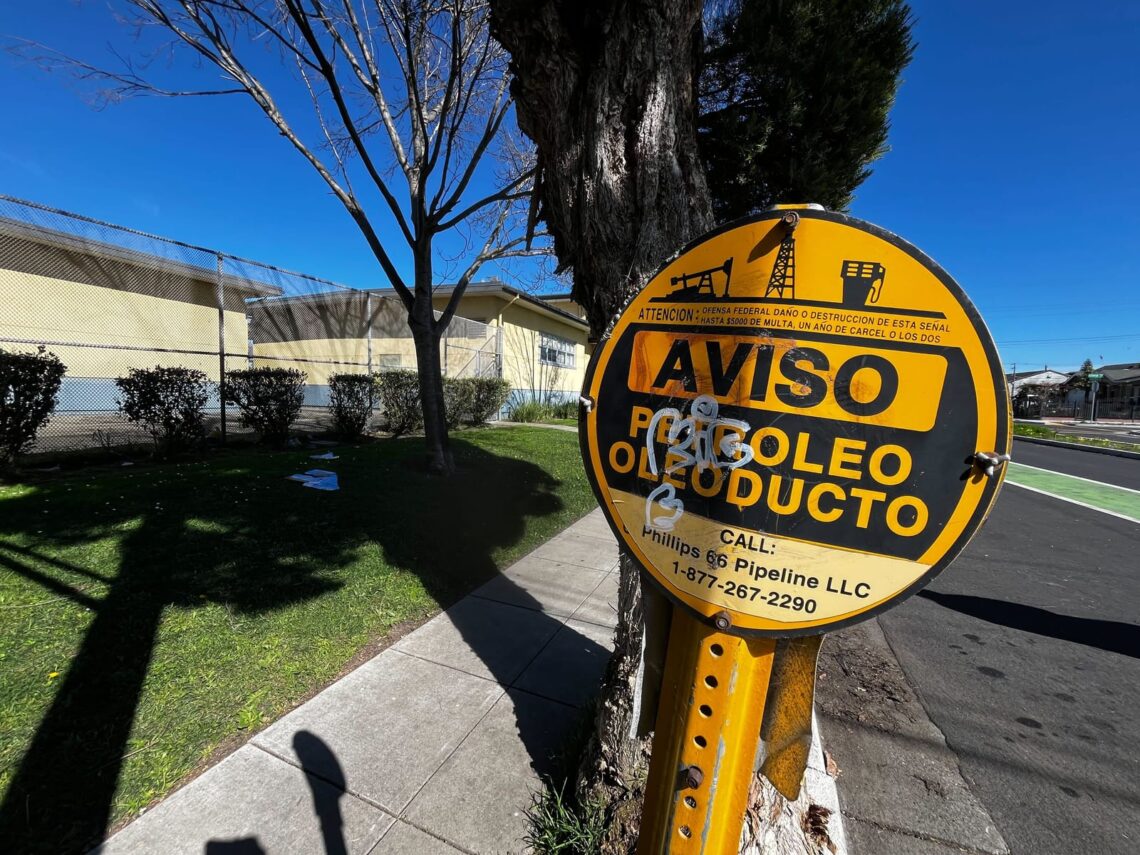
[(798, 423)]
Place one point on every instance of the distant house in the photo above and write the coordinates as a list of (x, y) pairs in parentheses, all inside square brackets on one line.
[(1039, 393), (104, 308), (1118, 395)]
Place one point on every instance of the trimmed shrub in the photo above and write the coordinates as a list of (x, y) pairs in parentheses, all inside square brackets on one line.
[(350, 403), (491, 394), (168, 403), (458, 399), (399, 392), (29, 383), (530, 411), (269, 399), (565, 409)]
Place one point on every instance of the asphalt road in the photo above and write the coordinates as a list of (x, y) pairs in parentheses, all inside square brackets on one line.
[(1026, 654), (1119, 471)]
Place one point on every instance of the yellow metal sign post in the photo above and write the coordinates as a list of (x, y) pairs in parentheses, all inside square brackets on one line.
[(798, 423)]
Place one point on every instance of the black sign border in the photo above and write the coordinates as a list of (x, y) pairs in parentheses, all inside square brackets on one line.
[(1001, 392)]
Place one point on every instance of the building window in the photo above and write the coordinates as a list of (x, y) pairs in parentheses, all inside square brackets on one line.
[(553, 350)]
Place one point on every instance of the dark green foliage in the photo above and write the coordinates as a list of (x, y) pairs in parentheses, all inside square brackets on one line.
[(168, 403), (471, 399), (269, 399), (530, 411), (29, 383), (458, 400), (399, 392), (490, 395), (350, 403), (794, 97), (567, 409), (1080, 378)]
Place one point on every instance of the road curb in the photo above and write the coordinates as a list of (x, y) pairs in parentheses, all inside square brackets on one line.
[(822, 790), (1112, 452)]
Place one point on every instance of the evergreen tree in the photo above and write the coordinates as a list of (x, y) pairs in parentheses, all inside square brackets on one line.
[(794, 97)]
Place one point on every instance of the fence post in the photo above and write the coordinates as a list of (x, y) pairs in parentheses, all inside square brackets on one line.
[(220, 286), (499, 347), (368, 315)]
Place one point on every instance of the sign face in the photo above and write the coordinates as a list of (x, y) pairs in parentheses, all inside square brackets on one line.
[(1096, 376), (783, 422)]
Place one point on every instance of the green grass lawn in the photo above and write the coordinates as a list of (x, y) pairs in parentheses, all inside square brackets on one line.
[(567, 422), (149, 615), (1048, 433)]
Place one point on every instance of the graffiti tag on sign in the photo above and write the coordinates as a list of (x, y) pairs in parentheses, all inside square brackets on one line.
[(784, 421)]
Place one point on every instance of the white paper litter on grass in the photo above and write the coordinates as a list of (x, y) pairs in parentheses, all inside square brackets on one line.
[(328, 455), (317, 479)]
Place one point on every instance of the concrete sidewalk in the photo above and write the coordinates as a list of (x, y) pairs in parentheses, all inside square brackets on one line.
[(433, 746)]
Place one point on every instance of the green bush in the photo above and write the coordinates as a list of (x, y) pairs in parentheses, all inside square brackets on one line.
[(350, 403), (530, 411), (269, 399), (458, 400), (29, 383), (489, 396), (168, 403), (567, 409), (399, 392)]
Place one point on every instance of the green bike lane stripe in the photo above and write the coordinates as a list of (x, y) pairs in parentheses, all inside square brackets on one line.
[(1118, 501)]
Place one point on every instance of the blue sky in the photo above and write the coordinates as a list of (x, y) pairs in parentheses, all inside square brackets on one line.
[(1014, 162)]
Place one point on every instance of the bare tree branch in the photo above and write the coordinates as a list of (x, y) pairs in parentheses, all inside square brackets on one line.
[(128, 81)]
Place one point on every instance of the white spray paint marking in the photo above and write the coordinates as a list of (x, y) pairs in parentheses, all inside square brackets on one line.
[(692, 442)]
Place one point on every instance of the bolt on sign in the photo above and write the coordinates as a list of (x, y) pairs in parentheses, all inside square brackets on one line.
[(783, 425)]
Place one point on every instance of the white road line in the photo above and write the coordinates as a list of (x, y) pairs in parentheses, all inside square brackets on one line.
[(1073, 501), (1078, 477)]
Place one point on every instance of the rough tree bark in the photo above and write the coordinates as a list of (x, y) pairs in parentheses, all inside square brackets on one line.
[(607, 92)]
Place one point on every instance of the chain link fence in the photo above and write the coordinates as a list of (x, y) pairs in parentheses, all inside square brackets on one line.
[(107, 299)]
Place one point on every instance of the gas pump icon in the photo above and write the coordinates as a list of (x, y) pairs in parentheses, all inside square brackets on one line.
[(862, 283)]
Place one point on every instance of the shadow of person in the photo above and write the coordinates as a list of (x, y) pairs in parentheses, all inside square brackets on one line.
[(1113, 636), (216, 541), (242, 846), (313, 753)]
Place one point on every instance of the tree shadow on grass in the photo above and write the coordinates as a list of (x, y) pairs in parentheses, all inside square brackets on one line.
[(213, 537)]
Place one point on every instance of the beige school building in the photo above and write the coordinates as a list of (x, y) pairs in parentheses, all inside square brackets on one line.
[(498, 331), (105, 308)]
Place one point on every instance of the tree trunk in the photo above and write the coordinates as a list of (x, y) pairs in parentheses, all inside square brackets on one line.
[(425, 335), (607, 92)]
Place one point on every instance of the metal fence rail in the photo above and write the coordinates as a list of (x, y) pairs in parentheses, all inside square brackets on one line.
[(107, 299)]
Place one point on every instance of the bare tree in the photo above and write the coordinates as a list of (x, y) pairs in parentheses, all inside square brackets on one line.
[(410, 92)]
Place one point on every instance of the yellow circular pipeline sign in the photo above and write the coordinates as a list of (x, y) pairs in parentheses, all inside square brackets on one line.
[(782, 424)]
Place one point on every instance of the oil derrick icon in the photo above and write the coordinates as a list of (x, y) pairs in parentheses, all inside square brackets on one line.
[(699, 285), (862, 280), (862, 283), (782, 282)]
